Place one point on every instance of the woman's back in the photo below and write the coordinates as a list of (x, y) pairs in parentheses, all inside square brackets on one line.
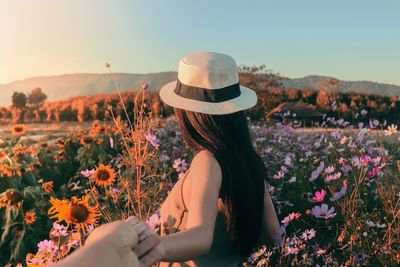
[(174, 214)]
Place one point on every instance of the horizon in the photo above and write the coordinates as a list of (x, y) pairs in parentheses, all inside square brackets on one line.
[(338, 39), (105, 73)]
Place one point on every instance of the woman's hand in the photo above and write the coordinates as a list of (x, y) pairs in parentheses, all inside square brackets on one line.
[(149, 249)]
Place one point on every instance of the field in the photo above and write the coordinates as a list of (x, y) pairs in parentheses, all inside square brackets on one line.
[(336, 190)]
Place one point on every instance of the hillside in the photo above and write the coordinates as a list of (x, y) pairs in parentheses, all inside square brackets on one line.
[(62, 87), (365, 87)]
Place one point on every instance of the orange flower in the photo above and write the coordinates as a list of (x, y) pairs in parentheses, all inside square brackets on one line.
[(86, 140), (48, 186), (11, 197), (30, 217), (75, 211), (104, 175), (5, 171), (18, 129)]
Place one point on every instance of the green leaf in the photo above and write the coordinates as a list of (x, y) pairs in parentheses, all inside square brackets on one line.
[(10, 215)]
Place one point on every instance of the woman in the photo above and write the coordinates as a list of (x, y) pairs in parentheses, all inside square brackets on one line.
[(220, 209)]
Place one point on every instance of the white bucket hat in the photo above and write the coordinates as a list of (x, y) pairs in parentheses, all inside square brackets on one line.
[(208, 82)]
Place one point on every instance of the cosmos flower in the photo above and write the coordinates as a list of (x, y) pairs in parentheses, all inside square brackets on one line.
[(333, 177), (319, 196), (330, 169), (338, 195), (180, 165), (47, 246), (377, 225), (364, 112), (308, 234), (58, 230), (317, 172), (152, 139), (323, 212), (88, 173), (290, 217), (392, 129), (154, 221)]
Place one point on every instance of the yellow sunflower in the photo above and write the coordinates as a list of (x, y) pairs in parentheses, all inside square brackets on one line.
[(75, 211), (104, 175), (11, 197), (30, 217), (18, 129)]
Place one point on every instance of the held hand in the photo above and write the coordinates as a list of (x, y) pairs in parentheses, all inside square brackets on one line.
[(149, 250)]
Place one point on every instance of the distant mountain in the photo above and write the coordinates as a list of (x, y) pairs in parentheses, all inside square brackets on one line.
[(62, 87), (365, 87)]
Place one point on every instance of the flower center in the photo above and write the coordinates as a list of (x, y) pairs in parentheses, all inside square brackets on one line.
[(103, 175), (79, 213)]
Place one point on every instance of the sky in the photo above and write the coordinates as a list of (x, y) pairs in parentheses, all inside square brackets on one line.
[(349, 40)]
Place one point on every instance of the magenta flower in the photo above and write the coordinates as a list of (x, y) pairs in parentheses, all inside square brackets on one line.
[(319, 196), (323, 212)]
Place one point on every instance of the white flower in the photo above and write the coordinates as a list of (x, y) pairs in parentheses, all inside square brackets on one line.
[(392, 129)]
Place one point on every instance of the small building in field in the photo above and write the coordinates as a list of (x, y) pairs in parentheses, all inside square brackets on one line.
[(307, 114)]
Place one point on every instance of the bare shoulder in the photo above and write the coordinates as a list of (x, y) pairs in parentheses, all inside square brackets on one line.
[(205, 162)]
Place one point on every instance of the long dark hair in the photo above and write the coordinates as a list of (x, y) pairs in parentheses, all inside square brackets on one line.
[(228, 138)]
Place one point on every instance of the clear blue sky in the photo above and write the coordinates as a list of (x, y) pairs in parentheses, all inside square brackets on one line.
[(351, 40)]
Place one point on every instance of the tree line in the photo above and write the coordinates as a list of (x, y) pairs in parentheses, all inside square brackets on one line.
[(33, 107)]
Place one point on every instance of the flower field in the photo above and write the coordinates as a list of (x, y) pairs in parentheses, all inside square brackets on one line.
[(336, 192)]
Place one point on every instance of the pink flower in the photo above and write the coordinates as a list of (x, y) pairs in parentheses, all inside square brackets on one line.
[(333, 177), (88, 173), (308, 234), (47, 246), (341, 193), (180, 165), (323, 212), (154, 221), (145, 86), (59, 230), (317, 172), (330, 169), (290, 217), (152, 139), (319, 196)]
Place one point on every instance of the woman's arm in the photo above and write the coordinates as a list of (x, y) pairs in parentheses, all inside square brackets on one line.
[(196, 240), (270, 223)]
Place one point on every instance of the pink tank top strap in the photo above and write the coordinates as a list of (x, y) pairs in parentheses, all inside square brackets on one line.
[(183, 181)]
